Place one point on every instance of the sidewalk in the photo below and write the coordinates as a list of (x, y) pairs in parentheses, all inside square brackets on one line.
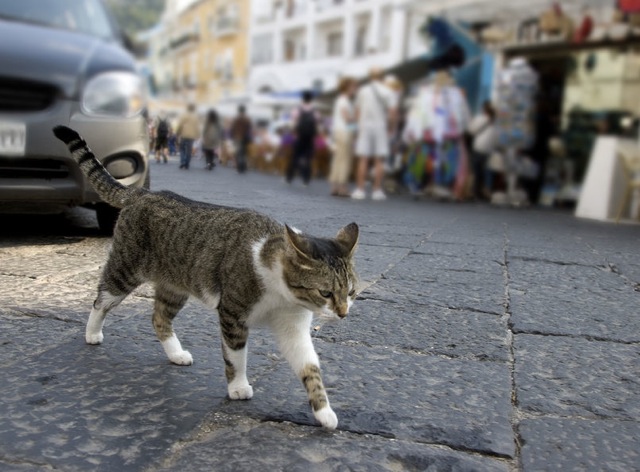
[(484, 339)]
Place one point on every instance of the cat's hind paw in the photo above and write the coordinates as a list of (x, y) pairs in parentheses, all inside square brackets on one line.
[(240, 392), (326, 417), (94, 338), (181, 358)]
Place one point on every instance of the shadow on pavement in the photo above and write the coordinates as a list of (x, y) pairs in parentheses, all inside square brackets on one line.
[(61, 228)]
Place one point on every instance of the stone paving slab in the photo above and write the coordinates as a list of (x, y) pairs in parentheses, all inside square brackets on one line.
[(579, 445), (568, 299), (459, 286), (427, 330), (220, 437), (462, 404), (421, 373), (373, 261), (572, 376), (45, 265), (117, 406), (445, 255), (625, 266), (64, 302), (25, 336)]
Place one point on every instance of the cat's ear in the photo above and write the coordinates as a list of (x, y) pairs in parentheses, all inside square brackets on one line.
[(348, 237), (297, 242)]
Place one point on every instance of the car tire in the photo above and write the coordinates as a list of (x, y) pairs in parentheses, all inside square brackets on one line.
[(107, 217)]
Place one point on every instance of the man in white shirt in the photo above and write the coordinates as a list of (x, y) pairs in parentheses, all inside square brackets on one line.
[(376, 111)]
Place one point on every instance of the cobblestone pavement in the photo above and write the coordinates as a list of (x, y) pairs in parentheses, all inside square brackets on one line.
[(484, 339)]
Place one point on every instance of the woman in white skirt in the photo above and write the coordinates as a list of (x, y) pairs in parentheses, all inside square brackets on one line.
[(343, 124)]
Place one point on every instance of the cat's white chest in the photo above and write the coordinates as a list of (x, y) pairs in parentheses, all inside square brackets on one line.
[(276, 299), (273, 305)]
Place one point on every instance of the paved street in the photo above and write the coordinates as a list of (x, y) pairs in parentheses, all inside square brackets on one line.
[(484, 339)]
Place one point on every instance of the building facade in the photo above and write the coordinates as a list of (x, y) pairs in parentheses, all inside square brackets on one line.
[(297, 44), (198, 52)]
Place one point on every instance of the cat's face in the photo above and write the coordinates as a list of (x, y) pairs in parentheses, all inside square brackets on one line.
[(320, 272)]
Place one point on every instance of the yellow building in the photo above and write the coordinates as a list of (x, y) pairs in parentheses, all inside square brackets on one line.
[(206, 47)]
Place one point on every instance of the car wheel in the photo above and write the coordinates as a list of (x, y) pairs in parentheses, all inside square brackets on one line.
[(107, 217)]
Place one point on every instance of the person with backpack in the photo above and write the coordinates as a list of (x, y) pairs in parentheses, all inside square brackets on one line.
[(305, 126), (162, 139)]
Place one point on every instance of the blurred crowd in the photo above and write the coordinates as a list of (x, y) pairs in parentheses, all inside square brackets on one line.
[(376, 139)]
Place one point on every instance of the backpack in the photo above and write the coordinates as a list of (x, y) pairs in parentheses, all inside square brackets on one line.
[(163, 129), (307, 126)]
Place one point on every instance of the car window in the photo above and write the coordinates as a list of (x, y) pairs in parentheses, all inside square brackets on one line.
[(85, 16)]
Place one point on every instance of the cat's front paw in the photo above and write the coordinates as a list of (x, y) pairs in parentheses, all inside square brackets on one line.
[(94, 338), (181, 358), (326, 417), (240, 391)]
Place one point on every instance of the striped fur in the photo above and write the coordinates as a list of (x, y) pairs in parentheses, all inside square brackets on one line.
[(109, 189), (251, 269)]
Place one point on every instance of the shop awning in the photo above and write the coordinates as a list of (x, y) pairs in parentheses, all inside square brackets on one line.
[(550, 48)]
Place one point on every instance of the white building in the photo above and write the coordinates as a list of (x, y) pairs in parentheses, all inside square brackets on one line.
[(304, 44)]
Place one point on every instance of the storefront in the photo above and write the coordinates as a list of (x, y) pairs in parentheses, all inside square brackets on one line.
[(587, 58)]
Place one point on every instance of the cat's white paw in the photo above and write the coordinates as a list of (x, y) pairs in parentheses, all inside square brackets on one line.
[(94, 338), (326, 417), (181, 358), (242, 391)]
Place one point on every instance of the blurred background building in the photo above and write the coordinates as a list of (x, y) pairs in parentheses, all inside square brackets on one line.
[(264, 53), (198, 52)]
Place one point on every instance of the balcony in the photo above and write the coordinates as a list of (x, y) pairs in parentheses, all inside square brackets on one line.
[(226, 25), (183, 39)]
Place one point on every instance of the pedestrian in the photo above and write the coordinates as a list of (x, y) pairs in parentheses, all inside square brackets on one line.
[(376, 112), (173, 145), (187, 131), (151, 132), (162, 138), (397, 147), (342, 130), (305, 126), (241, 132), (482, 130), (212, 137)]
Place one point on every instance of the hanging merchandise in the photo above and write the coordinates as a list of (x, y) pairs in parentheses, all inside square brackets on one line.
[(515, 122), (554, 22), (515, 106), (629, 6), (585, 29)]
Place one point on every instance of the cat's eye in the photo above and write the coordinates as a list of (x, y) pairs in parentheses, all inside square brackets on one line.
[(325, 294), (352, 292)]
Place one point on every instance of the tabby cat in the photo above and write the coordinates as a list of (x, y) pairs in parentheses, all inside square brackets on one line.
[(251, 269)]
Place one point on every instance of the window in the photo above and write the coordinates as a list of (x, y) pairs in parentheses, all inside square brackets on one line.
[(334, 44), (262, 50), (361, 41), (289, 50)]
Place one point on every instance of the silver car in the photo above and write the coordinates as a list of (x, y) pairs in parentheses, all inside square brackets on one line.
[(64, 62)]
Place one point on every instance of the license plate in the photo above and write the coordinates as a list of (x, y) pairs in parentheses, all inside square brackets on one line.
[(13, 138)]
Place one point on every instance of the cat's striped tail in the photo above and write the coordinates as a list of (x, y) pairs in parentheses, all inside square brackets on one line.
[(109, 189)]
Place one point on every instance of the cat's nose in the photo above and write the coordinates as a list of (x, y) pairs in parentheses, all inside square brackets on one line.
[(342, 311)]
